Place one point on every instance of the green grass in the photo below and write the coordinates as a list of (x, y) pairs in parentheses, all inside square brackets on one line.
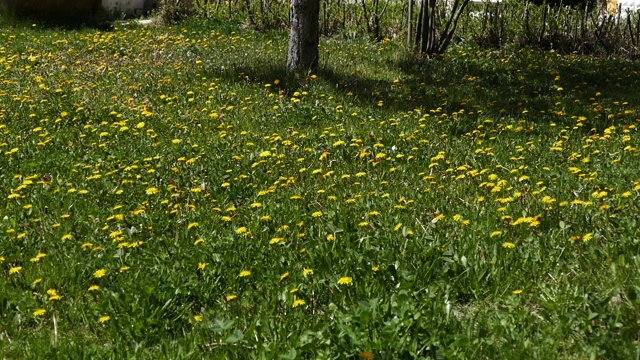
[(478, 205)]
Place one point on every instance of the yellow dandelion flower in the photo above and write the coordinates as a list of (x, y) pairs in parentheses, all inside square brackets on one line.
[(244, 273), (192, 225), (99, 273), (508, 245), (15, 270), (599, 194), (307, 272), (66, 237), (298, 302), (201, 266), (496, 233), (231, 297), (197, 318), (152, 190), (39, 312), (317, 214), (53, 295), (587, 237), (345, 280), (94, 287), (241, 230), (517, 292), (366, 355), (284, 276), (104, 319), (276, 240), (548, 200)]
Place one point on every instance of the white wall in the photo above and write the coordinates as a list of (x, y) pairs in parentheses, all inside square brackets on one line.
[(632, 5), (131, 7)]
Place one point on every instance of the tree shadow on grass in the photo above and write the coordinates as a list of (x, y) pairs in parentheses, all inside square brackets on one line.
[(545, 90), (93, 18), (537, 87), (366, 92)]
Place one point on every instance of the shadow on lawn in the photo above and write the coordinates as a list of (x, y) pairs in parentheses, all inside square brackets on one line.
[(93, 19), (515, 86)]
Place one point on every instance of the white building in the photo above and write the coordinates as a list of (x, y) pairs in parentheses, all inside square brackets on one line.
[(624, 5)]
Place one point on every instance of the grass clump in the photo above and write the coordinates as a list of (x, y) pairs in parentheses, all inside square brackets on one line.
[(169, 192)]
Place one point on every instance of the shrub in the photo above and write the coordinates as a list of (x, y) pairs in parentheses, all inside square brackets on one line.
[(170, 11)]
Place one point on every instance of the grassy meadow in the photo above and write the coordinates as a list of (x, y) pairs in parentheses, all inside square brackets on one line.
[(169, 192)]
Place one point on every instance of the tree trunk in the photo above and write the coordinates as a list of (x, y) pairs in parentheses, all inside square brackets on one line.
[(410, 23), (252, 19), (430, 39), (427, 36), (302, 53)]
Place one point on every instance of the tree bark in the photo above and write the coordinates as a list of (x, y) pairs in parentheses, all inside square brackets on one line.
[(302, 53), (430, 39), (410, 23), (427, 35)]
